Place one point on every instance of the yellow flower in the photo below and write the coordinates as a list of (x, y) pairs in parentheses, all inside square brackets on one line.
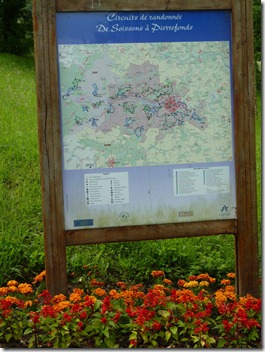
[(191, 284), (25, 288), (12, 283), (204, 283), (28, 303)]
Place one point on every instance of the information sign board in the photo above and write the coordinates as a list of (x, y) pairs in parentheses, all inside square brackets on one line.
[(147, 117), (146, 125)]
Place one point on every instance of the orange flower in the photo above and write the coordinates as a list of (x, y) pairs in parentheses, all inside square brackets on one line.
[(122, 285), (100, 292), (3, 291), (220, 298), (94, 283), (58, 298), (225, 282), (12, 289), (39, 277), (231, 275), (25, 288), (62, 305), (157, 273), (75, 297), (80, 291), (28, 303), (128, 296), (13, 300), (136, 287), (160, 288), (12, 283), (181, 282), (114, 294), (206, 277), (229, 288), (167, 281)]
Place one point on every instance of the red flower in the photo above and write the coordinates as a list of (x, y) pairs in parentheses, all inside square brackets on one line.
[(76, 308), (131, 313), (45, 295), (48, 311), (80, 325), (66, 318), (83, 315), (117, 317), (156, 326), (103, 320), (133, 342), (200, 327), (34, 316), (227, 325)]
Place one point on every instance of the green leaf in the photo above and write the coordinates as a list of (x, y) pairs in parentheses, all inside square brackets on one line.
[(221, 343), (154, 343), (164, 313), (106, 332), (31, 343), (8, 337), (173, 329), (3, 323), (97, 304), (27, 331), (210, 340), (167, 335)]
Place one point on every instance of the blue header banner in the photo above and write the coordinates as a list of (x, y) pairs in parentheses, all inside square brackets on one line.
[(143, 27)]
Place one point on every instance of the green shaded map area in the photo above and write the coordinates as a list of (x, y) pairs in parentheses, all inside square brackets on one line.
[(145, 104)]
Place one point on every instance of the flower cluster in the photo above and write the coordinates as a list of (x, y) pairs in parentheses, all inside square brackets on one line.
[(187, 314)]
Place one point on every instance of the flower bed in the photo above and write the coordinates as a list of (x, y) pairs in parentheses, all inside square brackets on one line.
[(186, 315)]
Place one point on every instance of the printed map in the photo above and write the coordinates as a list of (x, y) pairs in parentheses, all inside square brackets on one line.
[(126, 105)]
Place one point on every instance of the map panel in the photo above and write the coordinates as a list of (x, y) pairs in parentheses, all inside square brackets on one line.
[(144, 104)]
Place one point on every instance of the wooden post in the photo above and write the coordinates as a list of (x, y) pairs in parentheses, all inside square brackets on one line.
[(49, 145), (244, 94)]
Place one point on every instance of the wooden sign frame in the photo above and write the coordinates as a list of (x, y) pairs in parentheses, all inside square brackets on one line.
[(244, 227)]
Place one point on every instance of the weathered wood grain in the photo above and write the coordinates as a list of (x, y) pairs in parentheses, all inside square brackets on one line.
[(128, 5), (49, 144), (151, 232)]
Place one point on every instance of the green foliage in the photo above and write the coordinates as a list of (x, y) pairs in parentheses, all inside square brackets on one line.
[(16, 35)]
